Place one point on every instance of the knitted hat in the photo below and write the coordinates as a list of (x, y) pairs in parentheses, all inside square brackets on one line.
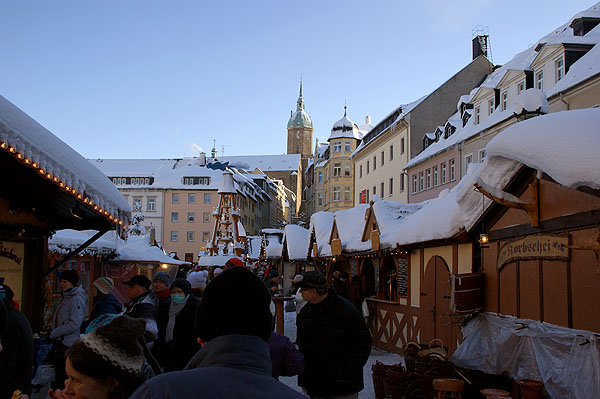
[(197, 279), (234, 262), (235, 302), (70, 276), (104, 285), (162, 277), (217, 271), (273, 273), (182, 284), (113, 349)]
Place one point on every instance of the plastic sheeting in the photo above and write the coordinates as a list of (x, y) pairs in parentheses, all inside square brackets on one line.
[(566, 360)]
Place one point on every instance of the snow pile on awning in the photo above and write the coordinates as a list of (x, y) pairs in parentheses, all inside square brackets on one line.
[(138, 249), (350, 224), (65, 241), (321, 224), (295, 238), (38, 144)]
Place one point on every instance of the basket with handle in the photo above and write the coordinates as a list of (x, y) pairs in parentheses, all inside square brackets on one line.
[(411, 353)]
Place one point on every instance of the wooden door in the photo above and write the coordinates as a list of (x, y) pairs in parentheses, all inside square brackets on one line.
[(436, 303)]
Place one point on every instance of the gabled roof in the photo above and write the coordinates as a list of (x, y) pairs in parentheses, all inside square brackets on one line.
[(320, 224), (294, 241), (347, 226)]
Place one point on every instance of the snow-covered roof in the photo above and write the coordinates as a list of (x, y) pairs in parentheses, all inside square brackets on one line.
[(295, 238), (321, 223), (350, 224), (345, 128), (266, 163), (531, 100), (564, 145), (227, 186), (134, 249), (217, 260), (253, 245), (37, 144)]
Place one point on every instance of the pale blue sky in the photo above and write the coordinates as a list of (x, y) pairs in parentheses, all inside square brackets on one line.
[(155, 79)]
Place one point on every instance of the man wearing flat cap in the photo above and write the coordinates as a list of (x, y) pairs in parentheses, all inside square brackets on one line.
[(141, 305), (335, 342)]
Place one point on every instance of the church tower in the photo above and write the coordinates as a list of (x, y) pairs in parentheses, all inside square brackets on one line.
[(300, 131)]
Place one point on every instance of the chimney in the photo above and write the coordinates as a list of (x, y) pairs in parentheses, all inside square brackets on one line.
[(480, 45), (368, 119), (202, 159)]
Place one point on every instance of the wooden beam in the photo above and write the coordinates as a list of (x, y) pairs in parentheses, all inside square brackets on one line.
[(532, 208), (75, 251)]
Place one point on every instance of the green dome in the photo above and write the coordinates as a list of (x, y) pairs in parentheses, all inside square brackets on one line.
[(300, 118)]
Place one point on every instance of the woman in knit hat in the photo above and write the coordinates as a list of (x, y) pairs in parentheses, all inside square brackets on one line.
[(105, 302), (176, 342), (106, 363)]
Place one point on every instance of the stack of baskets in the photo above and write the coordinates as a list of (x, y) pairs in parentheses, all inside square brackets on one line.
[(380, 372), (396, 382)]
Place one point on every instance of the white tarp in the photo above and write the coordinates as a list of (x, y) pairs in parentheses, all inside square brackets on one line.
[(566, 360)]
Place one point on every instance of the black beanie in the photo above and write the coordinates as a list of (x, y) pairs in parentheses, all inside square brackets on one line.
[(182, 284), (235, 302), (70, 275)]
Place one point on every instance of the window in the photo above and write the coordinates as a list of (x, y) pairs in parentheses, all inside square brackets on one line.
[(360, 171), (175, 198), (191, 217), (337, 146), (336, 193), (347, 169), (382, 157), (539, 80), (382, 190), (368, 196), (452, 171), (435, 176), (205, 236), (189, 257), (374, 190), (521, 87), (477, 115), (206, 217), (402, 146), (374, 162), (391, 189), (190, 236), (367, 167), (421, 179), (414, 184), (481, 155), (320, 199), (191, 198), (326, 174), (559, 65), (468, 161), (151, 204), (504, 99), (175, 217), (401, 182), (207, 198), (391, 153), (174, 236), (444, 173), (337, 169), (347, 147), (320, 176), (347, 196), (490, 106), (428, 178)]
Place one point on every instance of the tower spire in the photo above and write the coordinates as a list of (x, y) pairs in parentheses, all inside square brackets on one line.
[(345, 107), (300, 106)]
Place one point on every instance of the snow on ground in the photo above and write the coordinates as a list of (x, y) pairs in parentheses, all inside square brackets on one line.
[(376, 355)]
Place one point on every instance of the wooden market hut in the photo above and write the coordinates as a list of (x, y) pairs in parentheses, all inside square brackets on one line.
[(294, 258), (319, 249), (47, 186)]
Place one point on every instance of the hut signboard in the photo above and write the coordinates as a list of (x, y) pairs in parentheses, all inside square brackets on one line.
[(534, 247), (11, 265)]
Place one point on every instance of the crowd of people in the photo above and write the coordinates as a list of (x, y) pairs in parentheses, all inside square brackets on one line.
[(208, 335)]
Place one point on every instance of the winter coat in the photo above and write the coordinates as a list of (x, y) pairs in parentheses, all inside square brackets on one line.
[(16, 357), (69, 315), (176, 354), (229, 366), (336, 344), (143, 307), (355, 294), (340, 287), (286, 360), (107, 305)]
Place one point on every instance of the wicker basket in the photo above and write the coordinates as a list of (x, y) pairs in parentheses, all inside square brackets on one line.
[(380, 371)]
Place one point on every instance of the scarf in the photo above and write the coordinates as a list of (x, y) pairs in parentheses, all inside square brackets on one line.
[(173, 312)]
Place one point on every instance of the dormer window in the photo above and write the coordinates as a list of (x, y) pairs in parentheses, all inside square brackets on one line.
[(337, 146), (559, 66), (521, 87), (581, 26), (504, 99), (477, 115), (490, 106), (539, 80)]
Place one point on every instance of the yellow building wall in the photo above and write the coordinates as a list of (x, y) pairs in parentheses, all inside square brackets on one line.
[(465, 258), (445, 252), (415, 279)]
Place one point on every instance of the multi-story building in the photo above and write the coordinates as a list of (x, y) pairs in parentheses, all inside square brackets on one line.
[(179, 195), (560, 72), (386, 149)]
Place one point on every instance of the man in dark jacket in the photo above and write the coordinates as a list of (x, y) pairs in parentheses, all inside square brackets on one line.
[(334, 340), (16, 350), (141, 304), (233, 324)]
